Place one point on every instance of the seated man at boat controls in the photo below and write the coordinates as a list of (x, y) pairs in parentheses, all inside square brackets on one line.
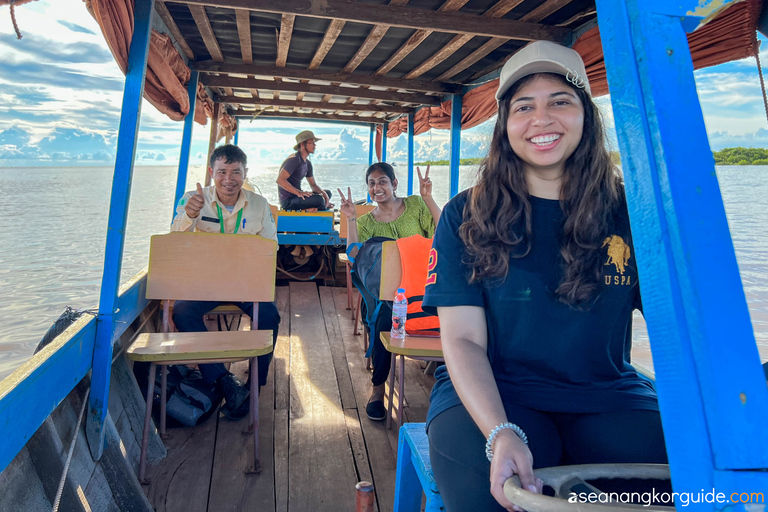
[(294, 169), (227, 208)]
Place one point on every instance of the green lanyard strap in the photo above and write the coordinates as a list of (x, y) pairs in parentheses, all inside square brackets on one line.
[(221, 219)]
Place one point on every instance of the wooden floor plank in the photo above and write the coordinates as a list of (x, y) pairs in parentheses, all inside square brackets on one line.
[(281, 366), (232, 489), (181, 481), (360, 452), (380, 454), (321, 466), (282, 349), (338, 353)]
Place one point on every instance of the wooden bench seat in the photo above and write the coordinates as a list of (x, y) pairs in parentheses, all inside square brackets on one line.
[(188, 347), (206, 267)]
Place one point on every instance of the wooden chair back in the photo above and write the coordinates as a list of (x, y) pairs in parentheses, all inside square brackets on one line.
[(391, 270), (212, 266), (362, 209)]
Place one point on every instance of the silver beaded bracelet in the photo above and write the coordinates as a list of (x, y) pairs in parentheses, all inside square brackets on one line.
[(511, 426)]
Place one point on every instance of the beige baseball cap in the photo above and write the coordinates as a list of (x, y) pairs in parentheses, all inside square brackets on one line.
[(543, 57), (302, 136)]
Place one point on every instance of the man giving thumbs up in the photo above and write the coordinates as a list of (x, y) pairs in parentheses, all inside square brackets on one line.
[(226, 208)]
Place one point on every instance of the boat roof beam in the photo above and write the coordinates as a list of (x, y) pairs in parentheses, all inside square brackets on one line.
[(318, 105), (404, 17), (251, 83), (209, 66), (252, 115)]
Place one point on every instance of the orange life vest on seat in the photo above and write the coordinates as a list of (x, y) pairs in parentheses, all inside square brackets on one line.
[(414, 259)]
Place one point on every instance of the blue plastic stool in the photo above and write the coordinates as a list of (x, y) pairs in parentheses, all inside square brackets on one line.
[(414, 471)]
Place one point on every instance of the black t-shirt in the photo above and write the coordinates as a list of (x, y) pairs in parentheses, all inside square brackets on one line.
[(545, 354)]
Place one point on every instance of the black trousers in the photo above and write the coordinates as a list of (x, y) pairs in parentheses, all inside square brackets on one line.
[(188, 317), (381, 359), (462, 472), (300, 203)]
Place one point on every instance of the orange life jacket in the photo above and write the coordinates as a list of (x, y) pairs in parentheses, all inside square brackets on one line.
[(414, 259)]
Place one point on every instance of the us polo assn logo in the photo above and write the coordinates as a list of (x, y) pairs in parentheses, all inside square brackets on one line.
[(618, 255)]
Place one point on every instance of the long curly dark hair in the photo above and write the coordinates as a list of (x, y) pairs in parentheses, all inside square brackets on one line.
[(497, 217)]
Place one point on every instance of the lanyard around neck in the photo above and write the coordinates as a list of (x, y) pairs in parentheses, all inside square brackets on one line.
[(221, 219)]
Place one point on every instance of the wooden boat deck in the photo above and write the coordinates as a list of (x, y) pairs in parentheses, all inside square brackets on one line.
[(316, 442)]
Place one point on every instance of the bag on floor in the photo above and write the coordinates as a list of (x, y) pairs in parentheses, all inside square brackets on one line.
[(190, 400)]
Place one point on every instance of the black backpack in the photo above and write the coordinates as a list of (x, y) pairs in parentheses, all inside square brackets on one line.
[(366, 276)]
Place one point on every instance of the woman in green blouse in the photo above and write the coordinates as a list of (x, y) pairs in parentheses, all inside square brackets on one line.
[(394, 217)]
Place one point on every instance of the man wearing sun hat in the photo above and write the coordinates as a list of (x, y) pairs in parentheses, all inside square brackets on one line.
[(294, 169)]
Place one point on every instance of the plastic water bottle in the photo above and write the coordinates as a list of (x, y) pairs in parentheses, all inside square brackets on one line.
[(399, 312)]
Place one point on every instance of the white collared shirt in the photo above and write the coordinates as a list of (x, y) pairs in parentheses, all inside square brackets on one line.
[(256, 217)]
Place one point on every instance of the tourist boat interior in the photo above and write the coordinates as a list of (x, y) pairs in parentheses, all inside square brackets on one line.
[(398, 67)]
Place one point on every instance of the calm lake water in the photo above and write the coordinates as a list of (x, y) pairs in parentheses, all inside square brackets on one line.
[(52, 256)]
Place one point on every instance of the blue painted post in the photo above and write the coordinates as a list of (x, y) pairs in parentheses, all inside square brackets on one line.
[(186, 141), (454, 159), (372, 145), (118, 212), (712, 392), (411, 119), (384, 129), (237, 134)]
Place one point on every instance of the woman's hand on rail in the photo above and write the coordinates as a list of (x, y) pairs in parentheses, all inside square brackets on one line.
[(425, 184), (347, 206), (511, 456)]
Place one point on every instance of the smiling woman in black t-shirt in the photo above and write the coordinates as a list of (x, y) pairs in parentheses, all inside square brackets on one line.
[(535, 282)]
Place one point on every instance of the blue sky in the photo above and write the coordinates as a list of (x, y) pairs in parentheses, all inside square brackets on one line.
[(60, 94)]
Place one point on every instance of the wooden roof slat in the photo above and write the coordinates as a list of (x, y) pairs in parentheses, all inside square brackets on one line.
[(544, 10), (536, 15), (577, 17), (376, 34), (331, 34), (416, 39), (284, 40), (501, 8), (472, 58), (373, 39), (244, 33), (442, 54), (304, 74), (305, 115), (319, 105), (497, 11), (251, 83), (204, 26), (406, 17), (162, 11)]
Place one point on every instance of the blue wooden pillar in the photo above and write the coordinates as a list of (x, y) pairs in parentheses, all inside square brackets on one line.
[(186, 141), (118, 213), (712, 391), (372, 145), (384, 129), (237, 134), (411, 119), (455, 159)]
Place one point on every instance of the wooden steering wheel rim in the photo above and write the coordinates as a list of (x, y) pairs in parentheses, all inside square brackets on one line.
[(558, 477)]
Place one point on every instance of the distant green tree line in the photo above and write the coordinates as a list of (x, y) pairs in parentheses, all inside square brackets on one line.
[(463, 161), (741, 156)]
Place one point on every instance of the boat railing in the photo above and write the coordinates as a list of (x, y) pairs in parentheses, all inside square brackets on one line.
[(32, 392)]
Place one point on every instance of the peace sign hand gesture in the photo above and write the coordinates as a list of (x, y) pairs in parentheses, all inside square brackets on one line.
[(425, 184), (347, 206)]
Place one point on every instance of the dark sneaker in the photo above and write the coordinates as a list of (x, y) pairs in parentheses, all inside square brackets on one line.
[(376, 410), (237, 414), (235, 393)]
